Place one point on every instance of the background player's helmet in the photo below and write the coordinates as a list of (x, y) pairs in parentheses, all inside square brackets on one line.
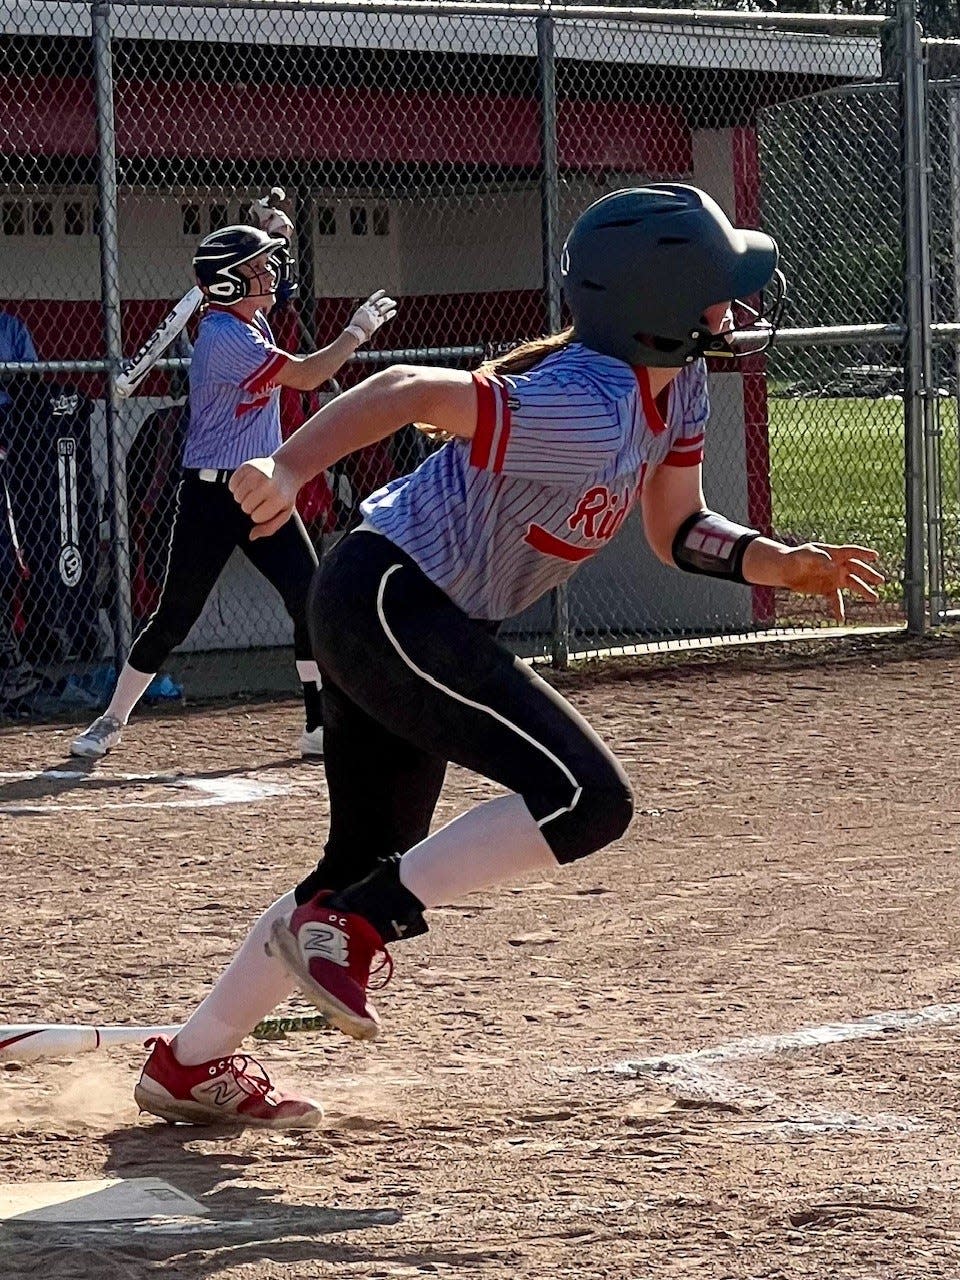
[(220, 254), (641, 266)]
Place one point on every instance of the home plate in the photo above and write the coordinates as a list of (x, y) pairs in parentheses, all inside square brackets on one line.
[(108, 1200)]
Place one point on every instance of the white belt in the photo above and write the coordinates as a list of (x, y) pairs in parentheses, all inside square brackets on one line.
[(214, 475)]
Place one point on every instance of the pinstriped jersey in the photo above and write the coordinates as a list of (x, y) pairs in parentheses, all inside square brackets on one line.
[(234, 400), (557, 462)]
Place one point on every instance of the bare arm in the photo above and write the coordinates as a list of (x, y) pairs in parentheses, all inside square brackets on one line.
[(671, 494), (306, 373), (267, 488)]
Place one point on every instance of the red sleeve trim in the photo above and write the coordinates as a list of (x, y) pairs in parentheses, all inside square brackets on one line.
[(489, 445), (262, 379), (677, 458), (686, 452), (486, 417)]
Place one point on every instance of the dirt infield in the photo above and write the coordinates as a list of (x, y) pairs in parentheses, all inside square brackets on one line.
[(792, 864)]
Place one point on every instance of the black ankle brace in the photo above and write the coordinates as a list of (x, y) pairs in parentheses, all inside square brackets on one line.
[(382, 899)]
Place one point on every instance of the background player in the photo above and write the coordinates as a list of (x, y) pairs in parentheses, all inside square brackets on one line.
[(552, 447), (236, 373)]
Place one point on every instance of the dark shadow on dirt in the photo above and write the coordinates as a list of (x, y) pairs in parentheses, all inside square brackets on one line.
[(246, 1224)]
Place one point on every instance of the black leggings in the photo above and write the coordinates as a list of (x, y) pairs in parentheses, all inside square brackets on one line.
[(411, 682), (209, 524)]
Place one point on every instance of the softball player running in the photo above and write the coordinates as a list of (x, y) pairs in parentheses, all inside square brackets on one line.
[(551, 447), (235, 378)]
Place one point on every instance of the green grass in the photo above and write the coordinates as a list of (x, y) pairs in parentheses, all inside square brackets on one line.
[(837, 475)]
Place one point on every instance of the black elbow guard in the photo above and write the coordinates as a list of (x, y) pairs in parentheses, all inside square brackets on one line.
[(711, 544)]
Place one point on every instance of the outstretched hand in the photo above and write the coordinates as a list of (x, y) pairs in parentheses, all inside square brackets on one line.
[(367, 319), (817, 569), (266, 492)]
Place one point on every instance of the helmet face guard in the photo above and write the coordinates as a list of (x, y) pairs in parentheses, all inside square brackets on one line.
[(282, 260), (755, 327), (641, 267), (220, 256)]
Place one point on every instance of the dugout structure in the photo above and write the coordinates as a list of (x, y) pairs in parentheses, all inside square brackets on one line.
[(440, 152)]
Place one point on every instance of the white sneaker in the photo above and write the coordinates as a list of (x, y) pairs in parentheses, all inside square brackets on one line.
[(96, 741), (311, 743)]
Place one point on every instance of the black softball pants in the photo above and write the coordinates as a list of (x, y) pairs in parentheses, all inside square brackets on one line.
[(209, 524), (411, 682)]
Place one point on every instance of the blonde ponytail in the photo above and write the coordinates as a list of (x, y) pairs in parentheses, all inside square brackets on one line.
[(528, 354), (520, 359)]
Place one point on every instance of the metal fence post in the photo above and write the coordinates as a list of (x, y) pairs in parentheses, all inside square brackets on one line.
[(550, 240), (549, 170), (922, 445), (122, 618), (306, 300), (953, 151)]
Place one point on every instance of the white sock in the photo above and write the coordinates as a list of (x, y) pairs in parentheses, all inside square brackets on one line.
[(496, 843), (308, 673), (251, 986), (131, 686)]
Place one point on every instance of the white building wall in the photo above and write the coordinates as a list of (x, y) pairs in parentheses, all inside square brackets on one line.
[(469, 243), (57, 265), (713, 166)]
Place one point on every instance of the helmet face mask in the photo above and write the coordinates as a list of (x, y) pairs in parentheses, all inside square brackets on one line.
[(641, 267), (261, 275), (220, 257), (754, 328), (282, 260)]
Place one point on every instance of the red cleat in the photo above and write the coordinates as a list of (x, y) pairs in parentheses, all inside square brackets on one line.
[(233, 1090), (331, 954)]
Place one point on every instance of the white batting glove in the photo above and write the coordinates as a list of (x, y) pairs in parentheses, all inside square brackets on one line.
[(274, 221), (366, 320)]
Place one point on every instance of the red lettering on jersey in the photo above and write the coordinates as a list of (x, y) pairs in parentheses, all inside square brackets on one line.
[(590, 506), (599, 512), (247, 406), (613, 518), (549, 544)]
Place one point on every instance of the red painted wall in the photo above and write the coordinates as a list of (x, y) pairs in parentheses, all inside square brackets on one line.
[(74, 330), (52, 115), (746, 178)]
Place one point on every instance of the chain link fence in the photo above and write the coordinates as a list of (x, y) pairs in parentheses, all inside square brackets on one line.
[(441, 153), (832, 196), (943, 110)]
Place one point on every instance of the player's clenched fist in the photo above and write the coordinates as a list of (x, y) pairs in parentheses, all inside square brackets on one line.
[(270, 218), (266, 492)]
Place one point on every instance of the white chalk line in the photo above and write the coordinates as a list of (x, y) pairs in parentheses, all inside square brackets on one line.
[(213, 792), (875, 1024), (695, 1072)]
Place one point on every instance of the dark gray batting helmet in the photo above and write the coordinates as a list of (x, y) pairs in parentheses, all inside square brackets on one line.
[(641, 266), (219, 255)]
